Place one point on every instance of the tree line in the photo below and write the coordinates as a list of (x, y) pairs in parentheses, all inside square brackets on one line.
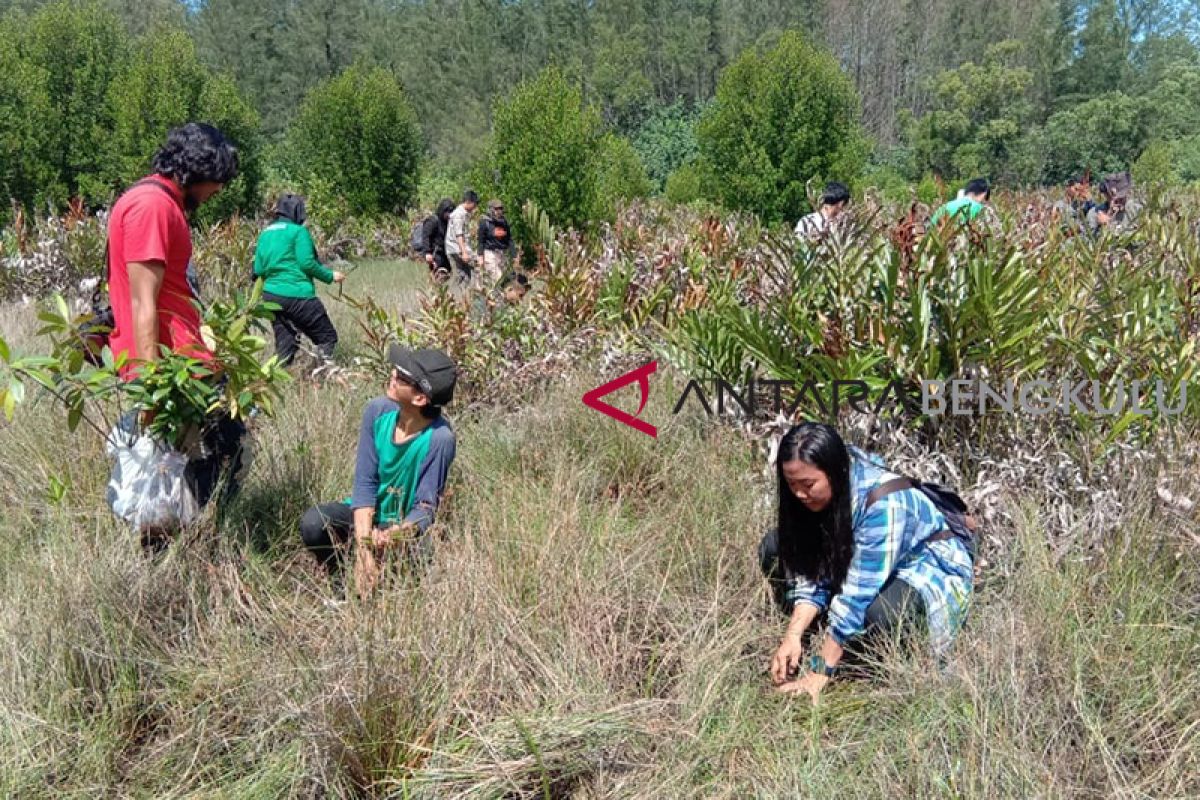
[(1025, 91)]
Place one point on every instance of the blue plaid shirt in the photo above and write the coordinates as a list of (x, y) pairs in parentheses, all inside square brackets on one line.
[(889, 540)]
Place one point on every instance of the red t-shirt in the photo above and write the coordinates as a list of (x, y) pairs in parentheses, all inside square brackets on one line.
[(148, 224)]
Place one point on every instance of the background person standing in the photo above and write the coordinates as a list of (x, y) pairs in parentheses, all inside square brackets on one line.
[(286, 259), (495, 242), (458, 249), (433, 241), (834, 200)]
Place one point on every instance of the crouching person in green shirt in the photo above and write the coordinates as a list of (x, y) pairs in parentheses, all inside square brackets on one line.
[(286, 260), (405, 449)]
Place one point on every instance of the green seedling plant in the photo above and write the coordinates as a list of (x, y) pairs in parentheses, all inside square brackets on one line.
[(175, 394)]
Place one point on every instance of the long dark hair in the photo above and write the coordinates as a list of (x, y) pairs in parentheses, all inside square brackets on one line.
[(817, 545)]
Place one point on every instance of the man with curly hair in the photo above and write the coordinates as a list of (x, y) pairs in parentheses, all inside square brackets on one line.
[(151, 290), (150, 246)]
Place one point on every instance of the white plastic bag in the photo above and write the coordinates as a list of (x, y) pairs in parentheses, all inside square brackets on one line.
[(147, 487)]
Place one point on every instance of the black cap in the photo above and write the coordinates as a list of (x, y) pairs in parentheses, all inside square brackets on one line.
[(432, 370)]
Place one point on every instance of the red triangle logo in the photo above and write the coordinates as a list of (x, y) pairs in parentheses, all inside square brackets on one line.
[(642, 376)]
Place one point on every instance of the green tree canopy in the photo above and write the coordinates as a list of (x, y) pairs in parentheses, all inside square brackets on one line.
[(780, 118), (80, 48), (1105, 134), (358, 134), (667, 140), (978, 116), (26, 167), (546, 147)]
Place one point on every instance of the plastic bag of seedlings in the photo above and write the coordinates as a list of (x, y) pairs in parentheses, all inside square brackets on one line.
[(148, 488)]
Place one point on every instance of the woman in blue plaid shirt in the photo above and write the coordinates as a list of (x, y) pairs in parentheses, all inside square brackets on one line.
[(864, 567)]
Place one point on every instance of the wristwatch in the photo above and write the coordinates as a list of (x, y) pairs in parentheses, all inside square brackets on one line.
[(817, 664)]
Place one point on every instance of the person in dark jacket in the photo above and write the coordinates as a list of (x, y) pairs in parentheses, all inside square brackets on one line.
[(286, 260), (434, 237), (405, 449), (1119, 210), (495, 240), (1073, 211)]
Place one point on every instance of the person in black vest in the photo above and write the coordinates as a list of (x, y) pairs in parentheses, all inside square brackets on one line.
[(495, 241)]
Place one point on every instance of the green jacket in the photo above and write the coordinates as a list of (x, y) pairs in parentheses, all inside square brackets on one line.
[(286, 258), (961, 210)]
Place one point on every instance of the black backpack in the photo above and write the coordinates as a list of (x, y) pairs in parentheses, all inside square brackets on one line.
[(418, 241), (960, 521), (93, 332)]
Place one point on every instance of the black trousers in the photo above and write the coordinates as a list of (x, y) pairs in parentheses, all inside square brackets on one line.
[(223, 440), (440, 268), (301, 316), (463, 269), (326, 526), (323, 528), (897, 606)]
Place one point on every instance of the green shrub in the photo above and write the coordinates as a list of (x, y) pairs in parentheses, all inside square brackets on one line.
[(890, 172), (79, 49), (546, 147), (1187, 159), (441, 181), (165, 85), (684, 185), (622, 175), (1155, 165), (1172, 162), (25, 140), (357, 133), (930, 190), (666, 141), (781, 118)]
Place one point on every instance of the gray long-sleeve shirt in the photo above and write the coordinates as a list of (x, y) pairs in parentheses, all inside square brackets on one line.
[(378, 424)]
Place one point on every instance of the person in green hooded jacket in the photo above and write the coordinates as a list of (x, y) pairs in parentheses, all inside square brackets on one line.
[(286, 259)]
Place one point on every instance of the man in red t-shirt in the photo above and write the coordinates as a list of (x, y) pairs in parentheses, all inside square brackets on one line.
[(150, 246), (149, 253)]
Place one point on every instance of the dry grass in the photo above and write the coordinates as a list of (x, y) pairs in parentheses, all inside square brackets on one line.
[(593, 626)]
